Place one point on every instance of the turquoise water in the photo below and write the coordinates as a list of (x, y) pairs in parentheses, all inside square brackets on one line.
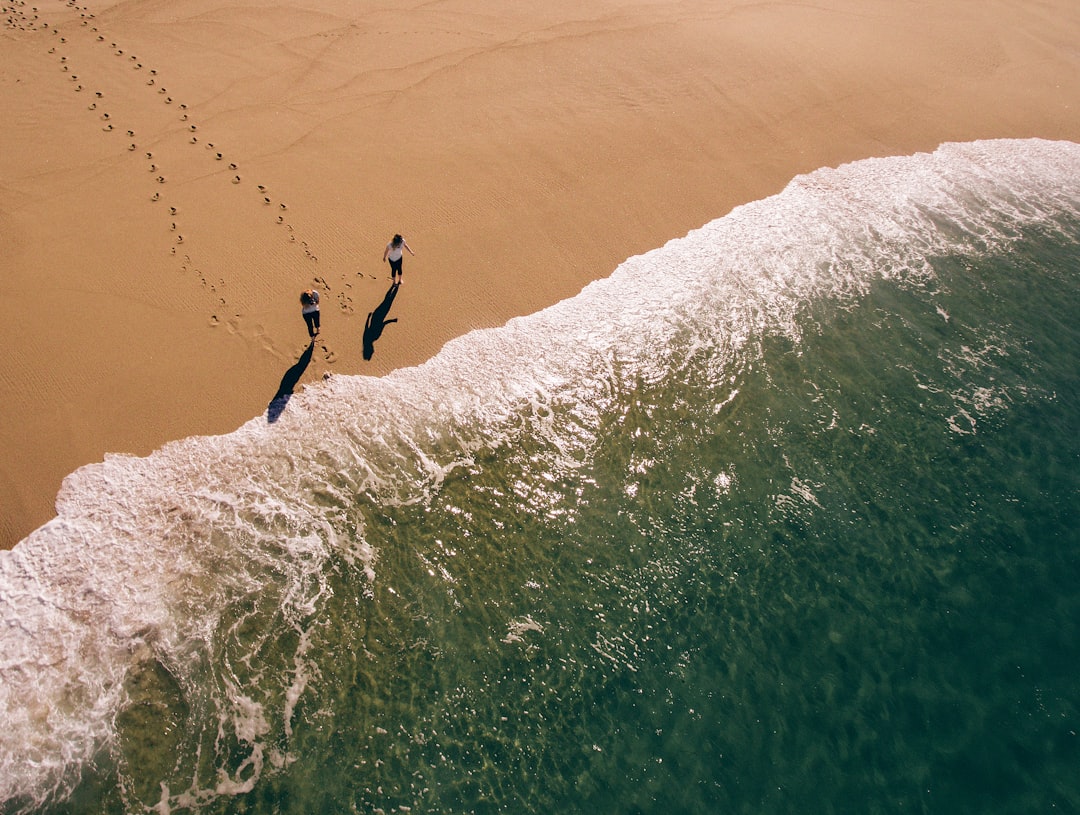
[(798, 535)]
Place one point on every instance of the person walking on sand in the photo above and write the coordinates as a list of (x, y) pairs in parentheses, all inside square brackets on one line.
[(392, 253), (309, 307)]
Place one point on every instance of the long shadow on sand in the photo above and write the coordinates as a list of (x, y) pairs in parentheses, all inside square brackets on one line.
[(376, 321), (288, 383)]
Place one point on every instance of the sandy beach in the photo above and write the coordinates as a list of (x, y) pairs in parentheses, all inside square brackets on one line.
[(173, 175)]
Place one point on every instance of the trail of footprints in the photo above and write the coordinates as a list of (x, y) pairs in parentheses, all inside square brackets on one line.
[(19, 17)]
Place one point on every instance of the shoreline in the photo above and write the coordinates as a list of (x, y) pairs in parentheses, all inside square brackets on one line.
[(154, 285)]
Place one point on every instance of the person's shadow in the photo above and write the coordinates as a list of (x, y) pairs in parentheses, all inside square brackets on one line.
[(376, 322), (288, 382)]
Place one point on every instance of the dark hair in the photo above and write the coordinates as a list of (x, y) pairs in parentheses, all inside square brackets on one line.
[(397, 240), (305, 298)]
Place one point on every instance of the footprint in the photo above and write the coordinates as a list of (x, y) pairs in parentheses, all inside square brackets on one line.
[(264, 341)]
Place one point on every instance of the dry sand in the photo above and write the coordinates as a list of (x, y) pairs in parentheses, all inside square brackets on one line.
[(150, 287)]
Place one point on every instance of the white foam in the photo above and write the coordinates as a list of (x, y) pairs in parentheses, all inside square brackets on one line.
[(147, 554)]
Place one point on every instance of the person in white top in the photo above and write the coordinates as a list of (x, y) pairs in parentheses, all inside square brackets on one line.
[(392, 253), (309, 307)]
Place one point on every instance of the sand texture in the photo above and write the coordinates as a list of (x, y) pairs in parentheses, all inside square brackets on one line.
[(173, 174)]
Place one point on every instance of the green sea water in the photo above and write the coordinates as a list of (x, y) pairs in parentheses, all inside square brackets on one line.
[(833, 567), (846, 578)]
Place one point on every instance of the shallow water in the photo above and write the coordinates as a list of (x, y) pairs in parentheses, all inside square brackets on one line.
[(797, 535)]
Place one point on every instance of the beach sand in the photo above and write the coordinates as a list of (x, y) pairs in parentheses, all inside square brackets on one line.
[(172, 175)]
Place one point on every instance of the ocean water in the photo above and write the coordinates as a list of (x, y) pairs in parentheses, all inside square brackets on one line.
[(779, 517)]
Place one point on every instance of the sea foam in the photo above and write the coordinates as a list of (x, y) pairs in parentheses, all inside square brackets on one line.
[(147, 556)]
